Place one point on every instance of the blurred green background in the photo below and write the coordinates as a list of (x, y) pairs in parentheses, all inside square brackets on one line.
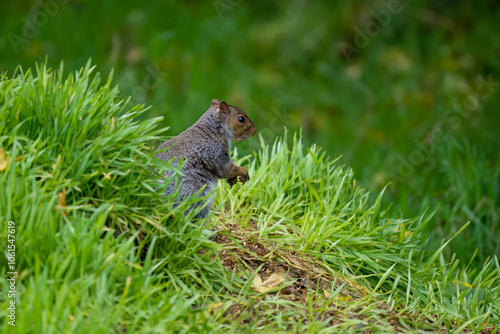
[(405, 91)]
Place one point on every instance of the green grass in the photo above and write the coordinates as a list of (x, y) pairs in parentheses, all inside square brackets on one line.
[(115, 256), (281, 63)]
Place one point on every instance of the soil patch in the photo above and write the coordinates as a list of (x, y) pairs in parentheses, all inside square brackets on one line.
[(306, 283)]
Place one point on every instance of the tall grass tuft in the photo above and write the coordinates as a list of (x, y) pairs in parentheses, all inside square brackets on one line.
[(99, 250), (79, 185)]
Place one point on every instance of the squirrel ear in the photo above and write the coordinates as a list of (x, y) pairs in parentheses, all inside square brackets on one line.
[(223, 107), (215, 102)]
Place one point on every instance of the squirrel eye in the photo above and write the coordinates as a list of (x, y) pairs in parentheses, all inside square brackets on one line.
[(241, 119)]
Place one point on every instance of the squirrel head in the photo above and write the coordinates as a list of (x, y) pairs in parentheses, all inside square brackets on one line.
[(236, 120)]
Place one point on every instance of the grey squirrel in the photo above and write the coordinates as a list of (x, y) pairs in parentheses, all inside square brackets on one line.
[(204, 148)]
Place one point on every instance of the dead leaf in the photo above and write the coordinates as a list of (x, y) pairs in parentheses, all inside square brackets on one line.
[(257, 281), (272, 282), (62, 201), (4, 162), (62, 197)]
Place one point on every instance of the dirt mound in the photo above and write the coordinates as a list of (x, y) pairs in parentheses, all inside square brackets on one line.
[(305, 286)]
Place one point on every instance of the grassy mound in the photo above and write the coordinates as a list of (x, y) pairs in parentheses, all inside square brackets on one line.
[(300, 247)]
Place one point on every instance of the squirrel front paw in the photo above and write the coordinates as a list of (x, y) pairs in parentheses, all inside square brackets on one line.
[(232, 181), (242, 177)]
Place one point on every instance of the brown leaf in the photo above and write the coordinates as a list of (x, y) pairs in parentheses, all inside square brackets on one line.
[(4, 162), (272, 282), (62, 201), (257, 281), (62, 197)]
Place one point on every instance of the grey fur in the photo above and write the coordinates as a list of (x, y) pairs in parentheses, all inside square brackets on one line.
[(204, 148)]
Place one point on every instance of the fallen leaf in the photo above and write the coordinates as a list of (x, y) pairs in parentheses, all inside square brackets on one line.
[(62, 201), (3, 161), (62, 198), (272, 282), (257, 280)]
